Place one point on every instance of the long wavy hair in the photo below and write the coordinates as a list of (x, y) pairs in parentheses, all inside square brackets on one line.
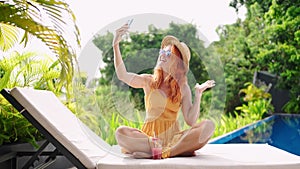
[(175, 78)]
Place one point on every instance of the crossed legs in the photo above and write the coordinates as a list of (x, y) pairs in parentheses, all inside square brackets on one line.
[(136, 142), (193, 139), (132, 140)]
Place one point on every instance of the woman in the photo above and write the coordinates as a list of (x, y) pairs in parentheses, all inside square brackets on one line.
[(166, 92)]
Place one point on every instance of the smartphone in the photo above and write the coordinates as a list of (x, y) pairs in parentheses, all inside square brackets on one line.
[(129, 22)]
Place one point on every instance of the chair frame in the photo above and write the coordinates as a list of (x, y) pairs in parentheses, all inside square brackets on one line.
[(59, 148)]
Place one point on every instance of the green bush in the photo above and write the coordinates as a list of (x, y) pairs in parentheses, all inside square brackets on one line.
[(257, 103), (24, 70)]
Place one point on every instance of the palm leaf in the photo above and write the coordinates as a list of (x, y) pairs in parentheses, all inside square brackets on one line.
[(8, 36), (42, 18)]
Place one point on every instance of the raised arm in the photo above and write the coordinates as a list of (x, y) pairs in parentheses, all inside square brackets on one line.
[(132, 79), (191, 111)]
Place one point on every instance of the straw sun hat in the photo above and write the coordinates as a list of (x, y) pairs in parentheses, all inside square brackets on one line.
[(183, 48)]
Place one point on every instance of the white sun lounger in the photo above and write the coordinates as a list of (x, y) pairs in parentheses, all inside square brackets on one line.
[(85, 149)]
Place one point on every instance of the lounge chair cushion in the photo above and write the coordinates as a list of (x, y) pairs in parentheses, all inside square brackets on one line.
[(55, 117), (213, 156)]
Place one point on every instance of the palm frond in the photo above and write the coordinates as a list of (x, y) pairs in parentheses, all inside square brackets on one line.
[(8, 36), (44, 19)]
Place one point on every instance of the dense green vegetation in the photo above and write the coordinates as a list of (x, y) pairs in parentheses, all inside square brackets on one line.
[(19, 22), (268, 39)]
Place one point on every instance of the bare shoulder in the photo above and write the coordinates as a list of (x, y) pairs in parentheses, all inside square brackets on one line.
[(148, 77)]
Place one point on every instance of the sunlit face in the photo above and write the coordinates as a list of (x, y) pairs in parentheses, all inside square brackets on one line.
[(165, 57)]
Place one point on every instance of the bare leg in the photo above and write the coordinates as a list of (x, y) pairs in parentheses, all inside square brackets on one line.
[(194, 138), (134, 141)]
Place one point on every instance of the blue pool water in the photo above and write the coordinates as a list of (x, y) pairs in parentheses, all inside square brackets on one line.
[(281, 131)]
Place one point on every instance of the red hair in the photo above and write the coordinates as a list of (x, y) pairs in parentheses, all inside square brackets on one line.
[(174, 79)]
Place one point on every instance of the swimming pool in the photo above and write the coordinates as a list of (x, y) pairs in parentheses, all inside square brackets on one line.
[(280, 130)]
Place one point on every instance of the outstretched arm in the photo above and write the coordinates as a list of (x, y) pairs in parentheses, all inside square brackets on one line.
[(132, 79), (191, 110)]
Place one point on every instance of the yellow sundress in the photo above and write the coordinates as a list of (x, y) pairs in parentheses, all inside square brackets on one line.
[(161, 118)]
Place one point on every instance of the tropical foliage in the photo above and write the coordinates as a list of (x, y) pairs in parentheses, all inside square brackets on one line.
[(25, 70), (53, 23), (46, 20), (267, 40)]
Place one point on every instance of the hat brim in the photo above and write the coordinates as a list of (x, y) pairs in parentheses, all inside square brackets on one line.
[(182, 47)]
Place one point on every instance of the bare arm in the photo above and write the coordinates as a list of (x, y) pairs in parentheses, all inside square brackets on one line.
[(191, 111), (132, 79)]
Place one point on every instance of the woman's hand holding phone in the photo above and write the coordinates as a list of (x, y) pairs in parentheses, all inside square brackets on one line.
[(122, 32)]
